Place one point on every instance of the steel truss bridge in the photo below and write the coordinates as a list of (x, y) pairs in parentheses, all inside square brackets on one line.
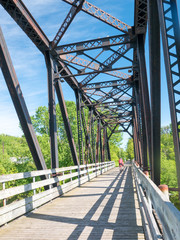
[(121, 100)]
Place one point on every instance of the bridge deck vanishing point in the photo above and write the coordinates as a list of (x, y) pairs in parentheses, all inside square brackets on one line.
[(104, 208)]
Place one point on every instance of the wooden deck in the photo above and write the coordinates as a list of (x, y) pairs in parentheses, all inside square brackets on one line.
[(105, 208)]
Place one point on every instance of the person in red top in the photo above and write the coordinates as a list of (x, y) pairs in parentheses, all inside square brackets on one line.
[(121, 164)]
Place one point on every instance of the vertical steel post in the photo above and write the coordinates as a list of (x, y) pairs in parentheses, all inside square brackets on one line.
[(144, 139), (19, 104), (104, 144), (67, 125), (145, 96), (79, 123), (101, 148), (98, 140), (90, 134), (155, 81), (52, 110), (138, 119), (108, 148), (92, 137)]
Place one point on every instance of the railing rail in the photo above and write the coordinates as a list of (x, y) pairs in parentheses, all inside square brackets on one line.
[(151, 198), (58, 181)]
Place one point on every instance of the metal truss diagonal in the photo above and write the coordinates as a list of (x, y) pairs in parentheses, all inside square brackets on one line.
[(103, 16), (76, 6), (108, 62)]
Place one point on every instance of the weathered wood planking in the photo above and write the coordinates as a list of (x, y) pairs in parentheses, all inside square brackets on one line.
[(168, 215), (104, 208), (16, 209)]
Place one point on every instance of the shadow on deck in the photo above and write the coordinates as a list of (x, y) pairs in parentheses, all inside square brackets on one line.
[(105, 208)]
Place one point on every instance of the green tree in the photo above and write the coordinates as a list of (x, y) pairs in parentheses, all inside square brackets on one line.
[(130, 149)]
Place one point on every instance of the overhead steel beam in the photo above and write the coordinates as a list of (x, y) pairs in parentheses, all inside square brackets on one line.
[(108, 62), (155, 81), (107, 84), (76, 7), (18, 11), (103, 16), (66, 121), (105, 43), (98, 67), (19, 104), (52, 109)]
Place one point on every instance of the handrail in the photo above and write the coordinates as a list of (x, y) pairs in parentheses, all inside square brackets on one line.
[(58, 182), (153, 198)]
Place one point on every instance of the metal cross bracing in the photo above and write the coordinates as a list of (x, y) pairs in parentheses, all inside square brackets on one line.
[(109, 78)]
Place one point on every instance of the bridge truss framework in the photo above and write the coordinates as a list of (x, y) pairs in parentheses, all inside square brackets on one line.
[(120, 104)]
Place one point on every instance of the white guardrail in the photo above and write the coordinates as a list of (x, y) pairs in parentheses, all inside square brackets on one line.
[(153, 201), (67, 178)]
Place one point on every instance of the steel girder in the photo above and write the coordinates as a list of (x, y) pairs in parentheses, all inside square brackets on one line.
[(50, 65), (19, 104), (155, 82), (105, 43)]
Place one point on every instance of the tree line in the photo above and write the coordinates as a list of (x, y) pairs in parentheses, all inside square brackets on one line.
[(16, 157)]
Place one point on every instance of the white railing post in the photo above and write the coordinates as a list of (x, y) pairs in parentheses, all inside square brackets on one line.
[(79, 175), (34, 180), (71, 173), (63, 176), (4, 187)]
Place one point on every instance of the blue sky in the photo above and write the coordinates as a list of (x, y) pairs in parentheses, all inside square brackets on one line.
[(29, 62)]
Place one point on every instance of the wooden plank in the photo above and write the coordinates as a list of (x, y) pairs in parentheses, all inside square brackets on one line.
[(85, 212), (21, 207)]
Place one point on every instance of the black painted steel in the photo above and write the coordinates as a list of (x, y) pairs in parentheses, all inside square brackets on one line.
[(155, 82), (19, 104)]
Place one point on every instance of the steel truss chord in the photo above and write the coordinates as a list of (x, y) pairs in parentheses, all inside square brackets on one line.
[(18, 11), (19, 104)]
